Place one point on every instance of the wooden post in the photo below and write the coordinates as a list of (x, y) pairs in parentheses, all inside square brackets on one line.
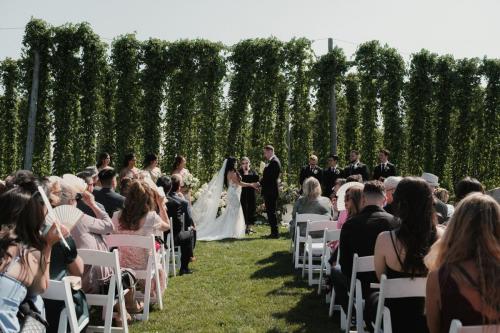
[(30, 139), (333, 109)]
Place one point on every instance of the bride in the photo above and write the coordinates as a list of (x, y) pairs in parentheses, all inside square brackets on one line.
[(231, 223)]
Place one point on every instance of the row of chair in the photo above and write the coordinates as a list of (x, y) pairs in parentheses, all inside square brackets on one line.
[(166, 257), (312, 246)]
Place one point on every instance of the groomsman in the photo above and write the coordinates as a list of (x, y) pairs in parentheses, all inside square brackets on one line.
[(311, 170), (385, 168), (355, 167), (330, 175)]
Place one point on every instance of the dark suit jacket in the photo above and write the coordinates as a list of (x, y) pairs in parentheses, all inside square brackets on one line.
[(111, 200), (176, 207), (307, 172), (330, 175), (359, 234), (381, 171), (357, 169), (269, 181)]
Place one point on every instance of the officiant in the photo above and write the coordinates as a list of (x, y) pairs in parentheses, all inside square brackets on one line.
[(248, 193)]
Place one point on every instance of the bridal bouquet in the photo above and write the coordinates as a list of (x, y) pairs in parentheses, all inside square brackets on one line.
[(200, 191), (191, 182), (222, 204)]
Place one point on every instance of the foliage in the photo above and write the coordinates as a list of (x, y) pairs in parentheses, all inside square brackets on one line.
[(9, 126), (419, 117), (106, 129), (328, 72), (351, 119)]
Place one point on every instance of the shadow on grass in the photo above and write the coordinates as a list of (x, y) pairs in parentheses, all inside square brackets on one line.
[(276, 265)]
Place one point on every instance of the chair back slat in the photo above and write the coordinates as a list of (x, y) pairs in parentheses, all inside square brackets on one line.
[(331, 235), (311, 217), (119, 240), (456, 327), (365, 264)]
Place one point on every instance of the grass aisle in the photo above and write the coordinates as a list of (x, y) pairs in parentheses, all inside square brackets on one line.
[(240, 286)]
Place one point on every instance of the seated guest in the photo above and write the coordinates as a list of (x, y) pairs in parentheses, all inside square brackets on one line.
[(400, 253), (466, 186), (139, 217), (333, 197), (24, 253), (311, 202), (439, 206), (355, 167), (358, 235), (90, 180), (107, 196), (464, 267), (182, 228), (310, 170), (443, 195), (128, 167), (390, 184), (151, 167), (385, 168), (124, 186), (330, 175), (354, 178)]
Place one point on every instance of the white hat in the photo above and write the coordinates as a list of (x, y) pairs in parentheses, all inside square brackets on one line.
[(392, 182), (430, 178), (341, 193)]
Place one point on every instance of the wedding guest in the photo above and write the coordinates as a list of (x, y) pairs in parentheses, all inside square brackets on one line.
[(151, 167), (440, 207), (400, 253), (128, 167), (103, 162), (179, 211), (390, 184), (330, 175), (139, 217), (443, 195), (464, 267), (354, 178), (466, 186), (91, 180), (333, 197), (358, 235), (107, 196), (355, 167), (310, 202), (311, 170), (124, 185), (3, 188), (248, 199), (179, 168), (385, 168)]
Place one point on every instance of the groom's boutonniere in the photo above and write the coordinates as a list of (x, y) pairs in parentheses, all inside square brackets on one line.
[(315, 171)]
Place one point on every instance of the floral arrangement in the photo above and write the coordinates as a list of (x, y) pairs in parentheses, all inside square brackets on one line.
[(191, 182)]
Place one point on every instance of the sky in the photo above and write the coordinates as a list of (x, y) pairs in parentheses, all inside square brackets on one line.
[(457, 27)]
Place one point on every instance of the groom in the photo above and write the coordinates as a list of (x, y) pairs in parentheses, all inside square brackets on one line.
[(269, 185)]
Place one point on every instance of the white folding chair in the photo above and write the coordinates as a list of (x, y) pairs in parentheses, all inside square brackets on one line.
[(456, 327), (61, 291), (301, 221), (328, 236), (359, 265), (314, 247), (152, 267), (396, 288), (115, 294)]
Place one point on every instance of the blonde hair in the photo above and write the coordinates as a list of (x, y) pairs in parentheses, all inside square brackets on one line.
[(473, 234), (314, 158), (311, 188)]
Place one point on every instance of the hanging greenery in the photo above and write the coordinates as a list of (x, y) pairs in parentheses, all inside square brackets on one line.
[(37, 36), (9, 126), (368, 61), (106, 128), (281, 132), (299, 61), (490, 131), (153, 80), (419, 113), (93, 64), (351, 121), (443, 95), (125, 51), (328, 71), (391, 88)]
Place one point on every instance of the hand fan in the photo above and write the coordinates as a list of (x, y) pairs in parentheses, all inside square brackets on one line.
[(50, 212), (67, 215)]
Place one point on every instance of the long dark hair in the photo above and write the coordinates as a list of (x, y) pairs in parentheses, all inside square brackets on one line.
[(149, 159), (129, 157), (414, 205), (177, 161), (230, 166), (102, 157)]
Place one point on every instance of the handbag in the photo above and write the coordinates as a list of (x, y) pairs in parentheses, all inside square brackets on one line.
[(30, 319)]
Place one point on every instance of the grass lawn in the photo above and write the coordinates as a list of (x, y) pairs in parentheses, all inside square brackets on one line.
[(243, 285)]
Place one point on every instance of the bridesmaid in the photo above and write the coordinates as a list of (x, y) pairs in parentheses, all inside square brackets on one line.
[(128, 167), (179, 168), (248, 193)]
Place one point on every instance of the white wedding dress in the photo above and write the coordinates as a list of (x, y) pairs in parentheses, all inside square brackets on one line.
[(231, 223)]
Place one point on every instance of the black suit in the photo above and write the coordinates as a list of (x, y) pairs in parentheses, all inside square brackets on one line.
[(270, 191), (358, 235), (357, 168), (384, 171), (176, 208), (307, 172), (111, 200), (330, 175)]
